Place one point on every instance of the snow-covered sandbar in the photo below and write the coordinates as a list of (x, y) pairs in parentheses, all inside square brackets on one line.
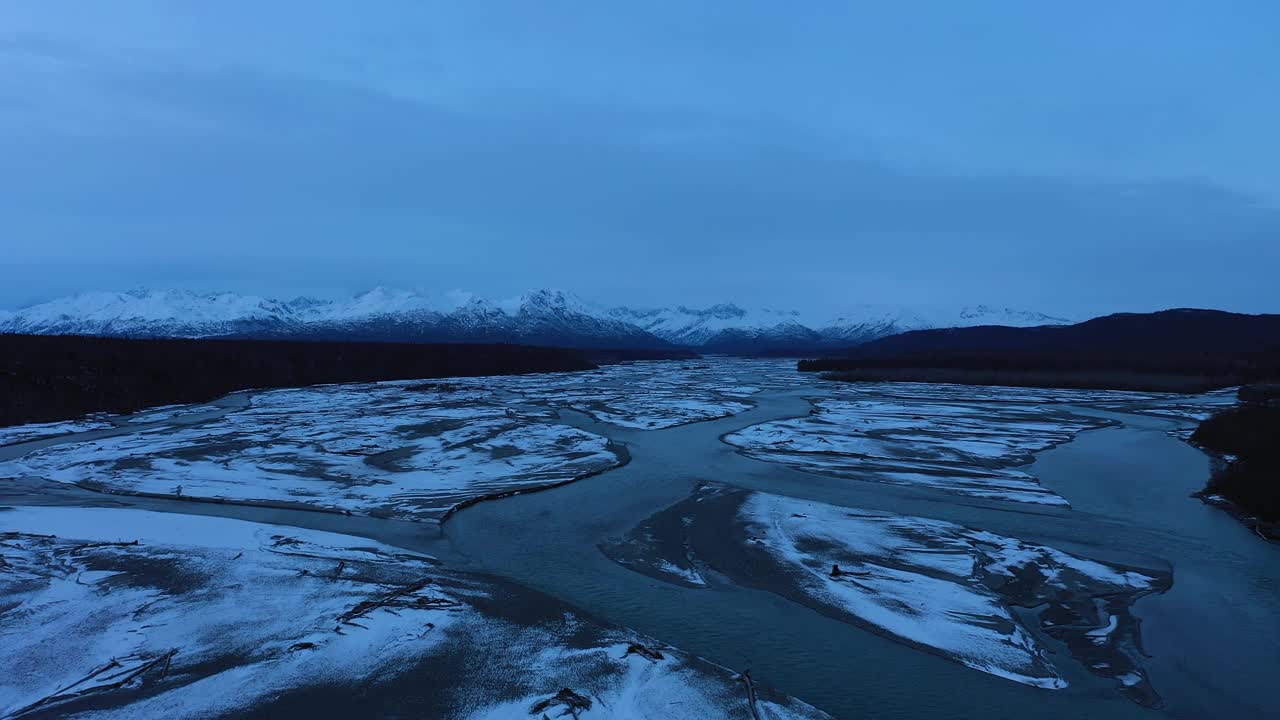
[(129, 614), (400, 449)]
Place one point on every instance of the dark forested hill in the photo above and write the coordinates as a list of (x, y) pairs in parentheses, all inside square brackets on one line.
[(1246, 438), (46, 378), (1168, 332), (1176, 350)]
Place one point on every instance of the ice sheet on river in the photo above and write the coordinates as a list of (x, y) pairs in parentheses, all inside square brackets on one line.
[(132, 614), (970, 449), (403, 449)]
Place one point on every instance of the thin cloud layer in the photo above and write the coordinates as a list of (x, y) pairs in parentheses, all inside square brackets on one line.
[(647, 155)]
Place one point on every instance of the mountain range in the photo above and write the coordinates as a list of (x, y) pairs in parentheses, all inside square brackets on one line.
[(540, 317)]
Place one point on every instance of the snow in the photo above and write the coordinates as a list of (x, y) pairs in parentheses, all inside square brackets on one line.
[(405, 448), (207, 588), (691, 326), (149, 306), (36, 431), (1173, 405), (364, 448), (216, 616), (188, 314), (636, 688), (689, 575), (373, 303), (165, 413), (699, 326), (966, 448), (1190, 408), (928, 581), (868, 321), (951, 392), (652, 395), (1101, 634)]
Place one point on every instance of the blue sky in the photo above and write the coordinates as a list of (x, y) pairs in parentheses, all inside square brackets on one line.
[(1075, 158)]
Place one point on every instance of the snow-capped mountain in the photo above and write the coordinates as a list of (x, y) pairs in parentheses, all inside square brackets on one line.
[(723, 327), (540, 317), (151, 313), (869, 322), (730, 328)]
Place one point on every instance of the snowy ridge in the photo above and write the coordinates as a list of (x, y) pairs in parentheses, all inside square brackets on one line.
[(146, 313), (547, 317), (691, 326), (728, 325)]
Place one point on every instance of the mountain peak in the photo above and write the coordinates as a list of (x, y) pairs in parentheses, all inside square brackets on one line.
[(720, 311), (543, 316), (550, 300)]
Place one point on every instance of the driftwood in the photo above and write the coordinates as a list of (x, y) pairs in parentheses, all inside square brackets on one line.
[(644, 652), (745, 679), (399, 599), (82, 546), (573, 703), (837, 573), (118, 680)]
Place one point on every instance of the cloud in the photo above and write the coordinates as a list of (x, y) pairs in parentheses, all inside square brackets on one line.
[(163, 158)]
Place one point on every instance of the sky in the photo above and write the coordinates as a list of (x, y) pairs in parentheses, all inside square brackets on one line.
[(1073, 158)]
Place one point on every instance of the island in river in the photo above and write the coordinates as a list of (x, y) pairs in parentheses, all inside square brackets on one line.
[(720, 538)]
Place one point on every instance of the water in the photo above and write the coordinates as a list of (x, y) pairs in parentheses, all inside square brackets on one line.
[(1214, 639)]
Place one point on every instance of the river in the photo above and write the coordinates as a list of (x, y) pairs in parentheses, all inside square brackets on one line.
[(1213, 639)]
